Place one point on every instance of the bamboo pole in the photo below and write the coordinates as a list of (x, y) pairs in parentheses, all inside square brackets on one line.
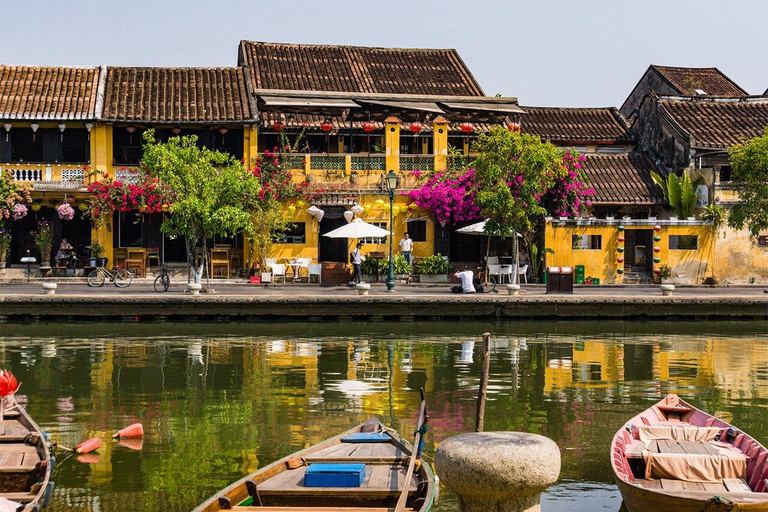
[(480, 416)]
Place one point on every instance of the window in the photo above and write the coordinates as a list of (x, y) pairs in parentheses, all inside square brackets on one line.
[(417, 230), (231, 142), (684, 242), (725, 173), (591, 242), (296, 234), (762, 241), (127, 146), (26, 146), (74, 146), (376, 240)]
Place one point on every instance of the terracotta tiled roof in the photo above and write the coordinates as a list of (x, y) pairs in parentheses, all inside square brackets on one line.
[(37, 92), (717, 123), (357, 69), (622, 179), (575, 124), (176, 95), (710, 80)]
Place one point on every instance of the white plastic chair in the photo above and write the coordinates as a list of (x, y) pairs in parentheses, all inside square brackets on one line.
[(523, 272), (270, 262), (315, 269), (507, 271), (495, 270), (278, 270), (493, 260), (304, 264)]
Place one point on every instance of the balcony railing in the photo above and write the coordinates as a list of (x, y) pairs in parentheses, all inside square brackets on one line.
[(48, 173), (328, 162), (369, 162), (417, 163)]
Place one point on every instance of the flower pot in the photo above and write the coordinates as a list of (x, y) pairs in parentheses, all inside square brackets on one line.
[(433, 278), (266, 277), (92, 262), (370, 278)]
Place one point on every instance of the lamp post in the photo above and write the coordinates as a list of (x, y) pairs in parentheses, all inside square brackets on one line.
[(392, 182)]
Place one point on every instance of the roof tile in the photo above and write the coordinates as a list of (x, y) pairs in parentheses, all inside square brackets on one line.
[(710, 80), (575, 125), (622, 178)]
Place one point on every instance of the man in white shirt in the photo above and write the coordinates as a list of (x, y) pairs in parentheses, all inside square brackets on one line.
[(406, 246), (357, 260), (466, 277)]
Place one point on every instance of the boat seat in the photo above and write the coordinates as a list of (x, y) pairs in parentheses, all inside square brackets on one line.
[(725, 486), (12, 431), (316, 509), (360, 452)]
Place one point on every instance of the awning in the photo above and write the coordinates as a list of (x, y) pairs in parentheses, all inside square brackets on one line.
[(504, 108), (423, 106), (285, 101)]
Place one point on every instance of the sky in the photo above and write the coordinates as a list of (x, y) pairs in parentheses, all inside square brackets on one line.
[(545, 53)]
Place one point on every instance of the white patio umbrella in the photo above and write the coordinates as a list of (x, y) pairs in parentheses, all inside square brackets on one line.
[(358, 229), (478, 228)]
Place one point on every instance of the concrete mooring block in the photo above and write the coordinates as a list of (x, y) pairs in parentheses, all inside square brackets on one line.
[(50, 288)]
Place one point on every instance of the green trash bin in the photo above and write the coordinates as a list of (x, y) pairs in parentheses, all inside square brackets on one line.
[(579, 274)]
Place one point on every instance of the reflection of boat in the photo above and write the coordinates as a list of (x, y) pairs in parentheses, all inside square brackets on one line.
[(379, 454), (673, 456), (25, 460)]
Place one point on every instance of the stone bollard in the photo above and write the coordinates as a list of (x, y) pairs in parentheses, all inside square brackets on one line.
[(667, 289), (499, 471), (194, 289), (513, 289), (50, 288), (362, 288)]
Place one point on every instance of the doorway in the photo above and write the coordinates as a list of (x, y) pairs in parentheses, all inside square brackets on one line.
[(638, 250), (332, 249)]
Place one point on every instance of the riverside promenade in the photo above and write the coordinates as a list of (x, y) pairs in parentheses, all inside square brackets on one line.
[(74, 300)]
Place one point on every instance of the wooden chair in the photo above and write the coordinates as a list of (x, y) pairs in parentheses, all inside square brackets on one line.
[(236, 256), (153, 253), (121, 254), (219, 260), (138, 258), (136, 267)]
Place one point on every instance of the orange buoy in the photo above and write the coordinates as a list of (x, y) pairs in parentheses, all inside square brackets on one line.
[(90, 445), (131, 431), (89, 458)]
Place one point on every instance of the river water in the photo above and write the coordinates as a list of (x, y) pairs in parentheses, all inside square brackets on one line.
[(220, 400)]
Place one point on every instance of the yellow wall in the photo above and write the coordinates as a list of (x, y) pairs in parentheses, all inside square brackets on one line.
[(688, 266)]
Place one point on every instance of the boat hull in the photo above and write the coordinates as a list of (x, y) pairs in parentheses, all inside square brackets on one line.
[(637, 499)]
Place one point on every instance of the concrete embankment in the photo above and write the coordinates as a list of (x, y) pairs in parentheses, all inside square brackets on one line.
[(378, 307)]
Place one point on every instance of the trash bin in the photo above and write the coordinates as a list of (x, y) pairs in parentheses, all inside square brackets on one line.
[(553, 279), (566, 280), (579, 274)]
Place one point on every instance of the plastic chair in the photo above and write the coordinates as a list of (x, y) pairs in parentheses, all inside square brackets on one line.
[(270, 262), (495, 270), (523, 271), (493, 260), (304, 264), (315, 269), (278, 270)]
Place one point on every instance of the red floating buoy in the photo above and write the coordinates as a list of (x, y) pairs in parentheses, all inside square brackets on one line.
[(131, 431), (88, 446)]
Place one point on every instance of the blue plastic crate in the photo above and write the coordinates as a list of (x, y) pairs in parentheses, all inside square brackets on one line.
[(334, 475), (367, 437)]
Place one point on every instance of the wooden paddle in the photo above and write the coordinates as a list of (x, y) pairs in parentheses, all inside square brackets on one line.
[(423, 418)]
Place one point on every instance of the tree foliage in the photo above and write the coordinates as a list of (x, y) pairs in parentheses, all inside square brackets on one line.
[(749, 165), (679, 193)]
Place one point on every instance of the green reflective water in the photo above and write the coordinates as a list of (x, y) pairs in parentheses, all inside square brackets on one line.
[(219, 401)]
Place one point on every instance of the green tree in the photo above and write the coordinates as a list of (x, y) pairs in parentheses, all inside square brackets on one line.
[(513, 173), (212, 193), (679, 193), (749, 164)]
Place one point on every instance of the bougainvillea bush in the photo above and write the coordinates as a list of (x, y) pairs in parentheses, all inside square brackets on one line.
[(449, 195), (108, 195), (12, 193), (569, 194)]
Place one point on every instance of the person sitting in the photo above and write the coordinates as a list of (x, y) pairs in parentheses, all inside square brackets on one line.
[(467, 282), (65, 254)]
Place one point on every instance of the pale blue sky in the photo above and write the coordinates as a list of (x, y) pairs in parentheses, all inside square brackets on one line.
[(572, 53)]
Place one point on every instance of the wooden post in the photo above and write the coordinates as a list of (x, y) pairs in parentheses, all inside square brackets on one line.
[(480, 417)]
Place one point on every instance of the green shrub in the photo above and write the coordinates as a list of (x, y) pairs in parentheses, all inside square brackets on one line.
[(400, 265), (432, 265), (371, 265)]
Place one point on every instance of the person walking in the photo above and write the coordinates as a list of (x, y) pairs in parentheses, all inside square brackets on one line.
[(357, 259), (406, 246)]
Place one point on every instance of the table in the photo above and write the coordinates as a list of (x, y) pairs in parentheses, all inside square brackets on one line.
[(295, 266)]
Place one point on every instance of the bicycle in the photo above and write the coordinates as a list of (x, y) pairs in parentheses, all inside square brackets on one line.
[(163, 281), (120, 276), (489, 285)]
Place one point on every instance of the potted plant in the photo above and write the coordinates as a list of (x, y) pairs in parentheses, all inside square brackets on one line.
[(95, 250), (665, 272), (372, 268), (401, 268), (5, 246), (537, 260), (44, 243), (432, 269)]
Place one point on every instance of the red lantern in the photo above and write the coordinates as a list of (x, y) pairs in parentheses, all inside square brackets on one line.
[(416, 127), (327, 126), (513, 127), (8, 384), (657, 249), (620, 259), (278, 126), (467, 127), (657, 228), (621, 239), (368, 127), (657, 271), (130, 129), (176, 130)]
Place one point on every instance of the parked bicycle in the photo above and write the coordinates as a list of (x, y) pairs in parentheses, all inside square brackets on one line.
[(163, 281), (120, 276)]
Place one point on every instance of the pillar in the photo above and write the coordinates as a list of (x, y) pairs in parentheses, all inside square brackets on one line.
[(392, 144), (101, 158), (440, 142)]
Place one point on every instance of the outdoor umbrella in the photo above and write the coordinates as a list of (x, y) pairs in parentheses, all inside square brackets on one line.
[(358, 229), (478, 228)]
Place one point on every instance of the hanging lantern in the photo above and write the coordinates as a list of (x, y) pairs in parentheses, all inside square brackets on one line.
[(36, 207), (620, 249), (176, 130), (513, 127), (348, 215), (367, 208), (656, 249), (620, 228), (657, 228), (223, 131), (34, 127), (165, 207), (130, 129), (387, 206), (357, 209), (327, 126), (657, 260), (415, 127), (619, 270), (467, 127), (379, 203), (620, 259), (413, 206), (7, 127), (8, 384), (621, 239), (395, 210), (292, 209), (278, 126), (62, 127), (368, 127), (82, 207), (657, 238), (657, 271)]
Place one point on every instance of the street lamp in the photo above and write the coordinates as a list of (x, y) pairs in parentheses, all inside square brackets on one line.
[(392, 182)]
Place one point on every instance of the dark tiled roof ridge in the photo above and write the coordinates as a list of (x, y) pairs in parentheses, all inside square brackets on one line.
[(177, 68), (355, 46), (49, 67), (753, 98), (669, 72)]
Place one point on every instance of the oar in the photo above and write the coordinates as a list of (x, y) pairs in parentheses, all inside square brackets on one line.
[(415, 455)]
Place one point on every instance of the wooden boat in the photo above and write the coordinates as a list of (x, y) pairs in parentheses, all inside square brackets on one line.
[(389, 463), (675, 457), (26, 462)]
